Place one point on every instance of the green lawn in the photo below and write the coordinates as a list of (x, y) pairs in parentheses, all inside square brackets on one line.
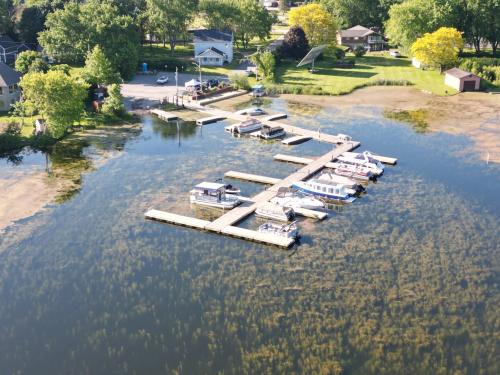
[(368, 69)]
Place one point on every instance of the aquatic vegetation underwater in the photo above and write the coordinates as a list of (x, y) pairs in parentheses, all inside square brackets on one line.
[(404, 280)]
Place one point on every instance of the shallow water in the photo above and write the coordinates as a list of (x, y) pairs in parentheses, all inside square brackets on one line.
[(404, 280)]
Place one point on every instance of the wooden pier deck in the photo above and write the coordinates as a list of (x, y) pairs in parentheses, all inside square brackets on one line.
[(164, 115), (277, 116), (295, 140), (302, 160), (209, 120), (252, 177)]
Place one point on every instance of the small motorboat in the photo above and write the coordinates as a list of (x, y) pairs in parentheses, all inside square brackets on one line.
[(342, 180), (364, 159), (271, 132), (254, 111), (294, 199), (326, 189), (353, 171), (282, 230), (247, 126), (343, 138), (212, 194), (275, 212)]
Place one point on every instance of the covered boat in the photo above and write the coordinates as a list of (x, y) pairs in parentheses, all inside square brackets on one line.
[(341, 180), (294, 199), (212, 194), (364, 159), (271, 132), (247, 126), (353, 171), (275, 212), (282, 230), (325, 189)]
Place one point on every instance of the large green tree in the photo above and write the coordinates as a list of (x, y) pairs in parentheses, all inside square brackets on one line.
[(77, 28), (98, 69), (169, 19), (29, 22), (56, 97), (5, 16), (30, 61), (359, 12)]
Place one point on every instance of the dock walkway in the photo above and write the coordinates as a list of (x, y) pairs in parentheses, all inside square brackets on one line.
[(164, 115)]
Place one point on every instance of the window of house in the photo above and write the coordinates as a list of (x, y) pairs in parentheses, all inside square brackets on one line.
[(11, 89), (1, 90)]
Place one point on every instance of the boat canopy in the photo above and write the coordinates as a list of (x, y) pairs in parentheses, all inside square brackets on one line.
[(192, 83), (210, 186)]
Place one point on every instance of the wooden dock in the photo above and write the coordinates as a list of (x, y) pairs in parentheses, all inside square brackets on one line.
[(252, 177), (298, 139), (164, 115), (302, 160), (209, 120), (277, 116)]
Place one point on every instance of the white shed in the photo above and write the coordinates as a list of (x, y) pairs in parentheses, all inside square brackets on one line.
[(461, 80), (213, 47)]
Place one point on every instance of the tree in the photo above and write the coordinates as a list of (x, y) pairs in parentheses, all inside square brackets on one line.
[(5, 16), (413, 18), (98, 69), (77, 28), (29, 23), (359, 51), (58, 98), (252, 20), (266, 64), (169, 19), (295, 43), (358, 12), (30, 61), (319, 25), (440, 48), (113, 105)]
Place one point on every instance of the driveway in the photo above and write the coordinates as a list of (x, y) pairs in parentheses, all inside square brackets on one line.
[(145, 87)]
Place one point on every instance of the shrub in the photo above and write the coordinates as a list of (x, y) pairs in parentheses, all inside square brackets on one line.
[(240, 81), (485, 67), (359, 51), (295, 43)]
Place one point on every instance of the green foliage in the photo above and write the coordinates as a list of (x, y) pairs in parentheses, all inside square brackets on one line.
[(416, 118), (98, 69), (295, 43), (319, 25), (30, 61), (239, 81), (29, 23), (486, 68), (58, 98), (65, 68), (113, 104), (247, 19), (359, 51), (169, 19), (71, 31), (266, 64), (5, 16)]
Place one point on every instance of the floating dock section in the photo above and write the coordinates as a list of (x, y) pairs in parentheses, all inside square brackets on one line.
[(277, 116), (298, 139), (164, 115), (209, 120), (252, 177)]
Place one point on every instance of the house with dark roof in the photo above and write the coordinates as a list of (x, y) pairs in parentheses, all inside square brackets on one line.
[(9, 89), (213, 47), (461, 80), (371, 39), (9, 49)]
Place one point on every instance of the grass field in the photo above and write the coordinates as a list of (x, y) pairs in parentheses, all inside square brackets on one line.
[(368, 69)]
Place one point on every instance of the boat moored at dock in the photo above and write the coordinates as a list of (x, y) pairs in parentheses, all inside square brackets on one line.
[(275, 212), (341, 180), (326, 189), (247, 126), (353, 171), (364, 159), (281, 230), (271, 132), (294, 199), (212, 194)]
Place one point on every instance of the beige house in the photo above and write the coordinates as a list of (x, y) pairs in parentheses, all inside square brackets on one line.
[(461, 80), (9, 89), (370, 39)]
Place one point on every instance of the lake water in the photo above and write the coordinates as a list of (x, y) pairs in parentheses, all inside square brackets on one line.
[(402, 281)]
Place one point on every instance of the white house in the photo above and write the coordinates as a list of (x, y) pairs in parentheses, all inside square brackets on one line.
[(213, 47)]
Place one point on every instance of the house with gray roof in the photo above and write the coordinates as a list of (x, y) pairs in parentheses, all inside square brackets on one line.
[(9, 49), (370, 39), (213, 47), (9, 86)]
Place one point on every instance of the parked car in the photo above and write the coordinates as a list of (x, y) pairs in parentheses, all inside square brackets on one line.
[(212, 83), (162, 80), (395, 53)]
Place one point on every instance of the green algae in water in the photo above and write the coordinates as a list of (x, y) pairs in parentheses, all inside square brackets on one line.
[(416, 118)]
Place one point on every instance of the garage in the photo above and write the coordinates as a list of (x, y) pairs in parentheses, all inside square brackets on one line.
[(461, 80)]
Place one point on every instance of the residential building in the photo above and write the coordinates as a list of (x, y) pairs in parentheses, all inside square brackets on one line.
[(9, 89), (213, 47), (10, 49), (461, 80), (370, 39)]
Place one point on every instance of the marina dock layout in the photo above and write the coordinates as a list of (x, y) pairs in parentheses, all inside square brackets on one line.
[(226, 224)]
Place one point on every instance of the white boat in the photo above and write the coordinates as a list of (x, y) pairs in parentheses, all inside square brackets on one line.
[(343, 138), (281, 230), (254, 111), (353, 171), (341, 180), (247, 126), (325, 189), (212, 194), (271, 132), (294, 199), (364, 159), (275, 212)]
